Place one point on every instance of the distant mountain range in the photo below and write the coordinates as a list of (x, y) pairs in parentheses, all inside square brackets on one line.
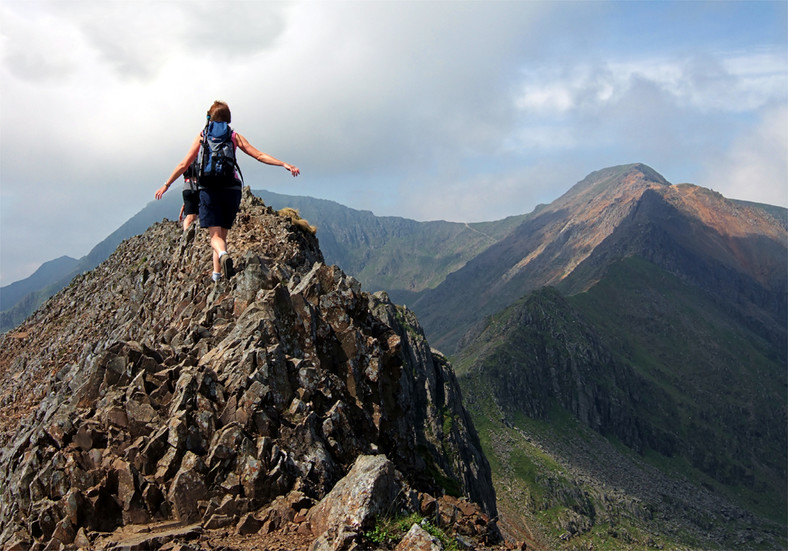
[(622, 350), (721, 246), (19, 299), (399, 255)]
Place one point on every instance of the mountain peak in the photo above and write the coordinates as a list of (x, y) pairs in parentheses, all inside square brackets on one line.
[(615, 181)]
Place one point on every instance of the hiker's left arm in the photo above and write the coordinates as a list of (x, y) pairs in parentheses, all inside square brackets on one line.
[(250, 150)]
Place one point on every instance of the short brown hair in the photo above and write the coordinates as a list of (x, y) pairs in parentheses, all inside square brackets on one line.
[(219, 112)]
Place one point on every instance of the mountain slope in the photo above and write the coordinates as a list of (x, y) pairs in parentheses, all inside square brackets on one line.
[(48, 273), (723, 377), (641, 405), (399, 255), (673, 379), (19, 306), (612, 213), (543, 250), (725, 249)]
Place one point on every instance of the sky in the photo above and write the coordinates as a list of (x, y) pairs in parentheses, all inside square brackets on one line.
[(455, 110)]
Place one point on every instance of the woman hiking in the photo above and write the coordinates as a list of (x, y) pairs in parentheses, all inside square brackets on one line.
[(219, 183)]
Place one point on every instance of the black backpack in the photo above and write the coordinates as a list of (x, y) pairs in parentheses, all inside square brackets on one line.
[(192, 174), (216, 160)]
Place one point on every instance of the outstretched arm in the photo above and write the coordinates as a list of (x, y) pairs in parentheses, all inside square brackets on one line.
[(250, 150), (182, 166)]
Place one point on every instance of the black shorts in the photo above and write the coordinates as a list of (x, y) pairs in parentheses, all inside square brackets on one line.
[(191, 202), (218, 207)]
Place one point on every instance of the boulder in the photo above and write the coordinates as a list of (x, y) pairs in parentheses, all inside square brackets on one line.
[(249, 524), (367, 491), (187, 488), (418, 539)]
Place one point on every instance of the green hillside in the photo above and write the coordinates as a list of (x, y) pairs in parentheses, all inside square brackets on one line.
[(685, 344), (565, 486), (669, 381)]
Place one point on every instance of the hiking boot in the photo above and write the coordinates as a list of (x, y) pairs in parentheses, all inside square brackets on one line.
[(227, 266)]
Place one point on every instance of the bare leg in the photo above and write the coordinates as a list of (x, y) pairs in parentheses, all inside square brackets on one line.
[(187, 221), (218, 244)]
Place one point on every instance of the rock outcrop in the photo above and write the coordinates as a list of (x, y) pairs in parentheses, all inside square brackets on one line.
[(146, 393)]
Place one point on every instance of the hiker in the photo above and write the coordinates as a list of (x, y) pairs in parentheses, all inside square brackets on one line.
[(191, 197), (220, 188)]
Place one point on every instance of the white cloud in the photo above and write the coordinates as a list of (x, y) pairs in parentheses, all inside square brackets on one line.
[(51, 52), (690, 113), (464, 196), (756, 166), (734, 82)]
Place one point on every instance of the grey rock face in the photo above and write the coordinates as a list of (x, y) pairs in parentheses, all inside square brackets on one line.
[(166, 396)]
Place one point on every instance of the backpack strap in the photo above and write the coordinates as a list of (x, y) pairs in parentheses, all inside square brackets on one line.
[(235, 156), (238, 168)]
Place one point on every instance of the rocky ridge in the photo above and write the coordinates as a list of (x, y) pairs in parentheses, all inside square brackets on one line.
[(144, 394), (721, 246)]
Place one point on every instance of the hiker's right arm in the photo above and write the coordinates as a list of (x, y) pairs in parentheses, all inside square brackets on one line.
[(182, 166), (249, 149)]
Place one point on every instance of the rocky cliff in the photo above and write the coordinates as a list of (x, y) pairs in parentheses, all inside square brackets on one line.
[(144, 392)]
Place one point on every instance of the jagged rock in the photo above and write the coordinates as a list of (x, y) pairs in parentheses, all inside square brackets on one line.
[(418, 539), (284, 509), (187, 488), (428, 506), (17, 543), (339, 539), (249, 524), (217, 520), (146, 538), (462, 517), (64, 532), (81, 540), (169, 396)]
